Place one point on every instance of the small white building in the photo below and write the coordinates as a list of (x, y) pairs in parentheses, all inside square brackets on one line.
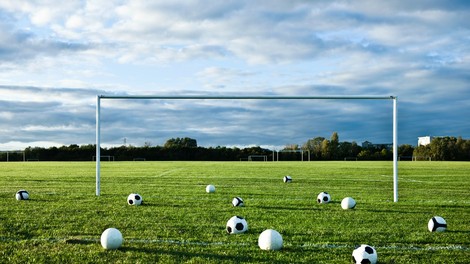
[(423, 141)]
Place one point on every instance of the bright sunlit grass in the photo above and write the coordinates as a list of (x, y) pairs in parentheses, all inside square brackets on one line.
[(180, 222)]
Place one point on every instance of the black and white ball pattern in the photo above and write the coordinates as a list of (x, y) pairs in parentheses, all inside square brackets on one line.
[(22, 195), (236, 225), (323, 198), (238, 201), (364, 254), (134, 199), (287, 179), (437, 224)]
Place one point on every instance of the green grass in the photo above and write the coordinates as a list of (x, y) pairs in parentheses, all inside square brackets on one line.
[(180, 223)]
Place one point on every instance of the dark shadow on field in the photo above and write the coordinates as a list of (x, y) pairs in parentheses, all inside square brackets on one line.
[(390, 211), (457, 231), (182, 255), (295, 208), (80, 241)]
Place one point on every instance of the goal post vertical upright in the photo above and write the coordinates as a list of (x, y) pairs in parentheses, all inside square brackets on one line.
[(98, 145), (395, 150), (128, 97)]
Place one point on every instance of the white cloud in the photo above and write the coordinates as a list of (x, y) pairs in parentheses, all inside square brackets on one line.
[(18, 145)]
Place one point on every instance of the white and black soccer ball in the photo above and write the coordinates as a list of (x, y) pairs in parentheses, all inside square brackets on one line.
[(134, 199), (236, 225), (287, 179), (210, 188), (238, 201), (348, 203), (22, 195), (323, 198), (364, 254), (437, 224)]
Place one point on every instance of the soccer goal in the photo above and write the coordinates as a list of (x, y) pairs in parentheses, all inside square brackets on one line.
[(8, 156), (295, 151), (258, 158), (272, 98), (105, 157)]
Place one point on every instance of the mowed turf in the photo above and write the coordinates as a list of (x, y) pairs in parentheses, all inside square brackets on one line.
[(181, 223)]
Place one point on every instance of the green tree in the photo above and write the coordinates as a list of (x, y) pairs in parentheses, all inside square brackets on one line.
[(443, 148), (405, 150), (325, 149), (422, 152), (347, 150), (364, 154), (333, 146), (314, 145), (180, 143)]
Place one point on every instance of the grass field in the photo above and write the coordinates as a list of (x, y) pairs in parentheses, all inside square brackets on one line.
[(181, 223)]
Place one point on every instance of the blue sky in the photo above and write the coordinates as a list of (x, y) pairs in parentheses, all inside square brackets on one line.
[(55, 57)]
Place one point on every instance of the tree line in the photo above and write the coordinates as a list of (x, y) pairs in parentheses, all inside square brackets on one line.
[(444, 149), (319, 148)]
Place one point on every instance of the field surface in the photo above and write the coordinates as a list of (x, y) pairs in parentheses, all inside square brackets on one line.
[(180, 223)]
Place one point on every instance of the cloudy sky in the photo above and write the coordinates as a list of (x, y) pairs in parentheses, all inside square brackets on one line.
[(56, 56)]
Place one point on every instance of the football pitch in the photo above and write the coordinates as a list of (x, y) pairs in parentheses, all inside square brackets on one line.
[(180, 223)]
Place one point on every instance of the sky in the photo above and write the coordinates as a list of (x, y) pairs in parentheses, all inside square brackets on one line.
[(56, 57)]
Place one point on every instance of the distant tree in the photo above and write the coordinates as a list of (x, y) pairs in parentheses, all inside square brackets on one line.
[(385, 154), (405, 150), (347, 149), (464, 149), (181, 143), (422, 152), (443, 148), (314, 145), (364, 154), (292, 147), (326, 149), (333, 146)]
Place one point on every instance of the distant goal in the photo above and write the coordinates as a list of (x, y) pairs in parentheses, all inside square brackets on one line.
[(302, 152), (106, 157), (17, 155), (257, 158)]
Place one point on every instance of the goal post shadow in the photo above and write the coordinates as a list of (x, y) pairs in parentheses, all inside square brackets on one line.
[(187, 97)]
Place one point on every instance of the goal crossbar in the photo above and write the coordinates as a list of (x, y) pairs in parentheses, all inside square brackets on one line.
[(189, 97)]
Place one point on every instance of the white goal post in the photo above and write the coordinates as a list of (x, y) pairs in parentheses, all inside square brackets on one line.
[(141, 97), (264, 157), (14, 152), (295, 151)]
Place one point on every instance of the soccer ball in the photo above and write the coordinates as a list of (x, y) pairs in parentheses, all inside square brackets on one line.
[(437, 224), (287, 179), (364, 254), (348, 203), (22, 195), (210, 188), (236, 225), (270, 239), (323, 198), (111, 238), (134, 199), (238, 201)]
